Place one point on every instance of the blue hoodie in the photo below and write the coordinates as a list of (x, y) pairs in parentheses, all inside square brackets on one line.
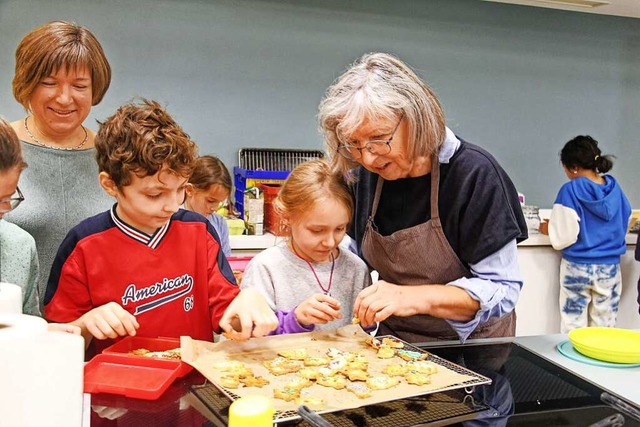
[(589, 221)]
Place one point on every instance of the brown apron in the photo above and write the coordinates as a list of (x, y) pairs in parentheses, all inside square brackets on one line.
[(422, 255)]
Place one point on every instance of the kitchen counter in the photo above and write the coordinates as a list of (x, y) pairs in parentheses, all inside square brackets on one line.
[(258, 243), (617, 381), (537, 239), (242, 245), (538, 309)]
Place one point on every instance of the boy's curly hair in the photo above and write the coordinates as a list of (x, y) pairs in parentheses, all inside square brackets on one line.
[(10, 149), (142, 138)]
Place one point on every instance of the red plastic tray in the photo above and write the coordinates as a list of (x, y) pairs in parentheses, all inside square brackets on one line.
[(239, 262), (139, 377), (128, 344)]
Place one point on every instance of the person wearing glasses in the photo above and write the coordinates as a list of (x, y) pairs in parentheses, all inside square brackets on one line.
[(208, 189), (18, 255), (61, 71), (436, 216)]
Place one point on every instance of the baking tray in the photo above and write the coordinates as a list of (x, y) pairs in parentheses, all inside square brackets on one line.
[(441, 408), (127, 344), (139, 377), (338, 400)]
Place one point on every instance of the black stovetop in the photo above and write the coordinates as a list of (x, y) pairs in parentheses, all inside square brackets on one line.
[(527, 390)]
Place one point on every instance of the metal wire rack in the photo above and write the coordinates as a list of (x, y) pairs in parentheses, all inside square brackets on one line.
[(206, 394), (451, 405), (275, 159)]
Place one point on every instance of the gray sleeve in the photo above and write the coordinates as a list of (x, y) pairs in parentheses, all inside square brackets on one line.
[(257, 276), (31, 304), (19, 265), (283, 280)]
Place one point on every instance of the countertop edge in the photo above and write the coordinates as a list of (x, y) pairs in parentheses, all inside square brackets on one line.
[(543, 240), (239, 242)]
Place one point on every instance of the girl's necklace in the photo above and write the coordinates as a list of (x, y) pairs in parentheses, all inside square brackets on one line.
[(333, 264), (77, 147)]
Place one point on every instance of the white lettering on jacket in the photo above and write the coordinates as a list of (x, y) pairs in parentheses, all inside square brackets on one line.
[(175, 288)]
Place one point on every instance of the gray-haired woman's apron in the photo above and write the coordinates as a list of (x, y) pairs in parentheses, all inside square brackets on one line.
[(417, 256)]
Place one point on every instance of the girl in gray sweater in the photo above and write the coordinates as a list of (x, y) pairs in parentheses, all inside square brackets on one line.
[(309, 280)]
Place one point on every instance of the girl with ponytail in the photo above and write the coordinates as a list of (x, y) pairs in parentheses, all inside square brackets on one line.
[(589, 223)]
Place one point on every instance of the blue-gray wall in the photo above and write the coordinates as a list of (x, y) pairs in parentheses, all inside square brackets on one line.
[(518, 80)]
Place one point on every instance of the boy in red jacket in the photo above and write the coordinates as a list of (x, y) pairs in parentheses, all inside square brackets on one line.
[(146, 267)]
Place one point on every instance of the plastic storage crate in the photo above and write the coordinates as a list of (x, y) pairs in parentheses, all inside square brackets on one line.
[(244, 178), (266, 166), (271, 219)]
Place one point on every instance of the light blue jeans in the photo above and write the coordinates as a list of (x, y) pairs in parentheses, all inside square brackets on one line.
[(589, 294)]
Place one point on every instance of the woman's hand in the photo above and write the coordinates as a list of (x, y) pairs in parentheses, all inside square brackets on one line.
[(107, 321), (383, 299), (318, 308), (247, 316)]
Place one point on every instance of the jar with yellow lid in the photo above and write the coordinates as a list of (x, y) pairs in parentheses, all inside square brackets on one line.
[(251, 411)]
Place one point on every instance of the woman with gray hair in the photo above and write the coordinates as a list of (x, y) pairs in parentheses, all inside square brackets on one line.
[(436, 216)]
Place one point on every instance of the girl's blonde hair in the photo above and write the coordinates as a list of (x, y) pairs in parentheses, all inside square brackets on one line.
[(308, 184)]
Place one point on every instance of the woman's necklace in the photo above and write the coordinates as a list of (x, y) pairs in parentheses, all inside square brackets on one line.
[(333, 264), (77, 147)]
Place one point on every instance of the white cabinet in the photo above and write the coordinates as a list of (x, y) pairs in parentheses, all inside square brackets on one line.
[(538, 309)]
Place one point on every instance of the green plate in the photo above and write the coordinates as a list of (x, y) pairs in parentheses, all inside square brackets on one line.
[(607, 344), (566, 348)]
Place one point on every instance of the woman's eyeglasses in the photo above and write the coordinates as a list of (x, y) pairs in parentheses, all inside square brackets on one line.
[(7, 205), (377, 147)]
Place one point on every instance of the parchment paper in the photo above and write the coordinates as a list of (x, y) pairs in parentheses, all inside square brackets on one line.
[(202, 355)]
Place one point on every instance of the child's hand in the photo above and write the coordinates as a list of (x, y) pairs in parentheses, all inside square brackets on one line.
[(318, 308), (251, 316), (107, 321)]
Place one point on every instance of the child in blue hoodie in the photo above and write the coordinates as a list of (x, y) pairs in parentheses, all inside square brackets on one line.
[(589, 223)]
